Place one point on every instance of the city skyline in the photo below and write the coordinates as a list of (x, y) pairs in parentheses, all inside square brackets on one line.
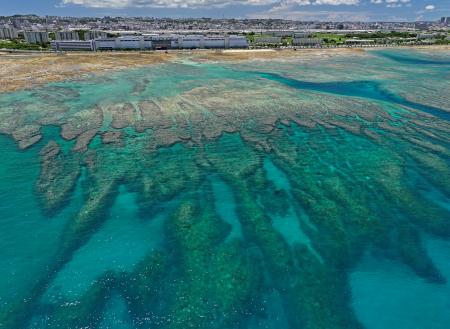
[(320, 10)]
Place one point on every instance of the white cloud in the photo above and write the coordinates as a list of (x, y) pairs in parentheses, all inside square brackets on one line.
[(286, 12), (97, 3), (335, 2), (117, 4), (318, 2), (393, 3), (429, 7)]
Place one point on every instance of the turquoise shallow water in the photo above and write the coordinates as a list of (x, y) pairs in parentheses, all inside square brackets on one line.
[(295, 193)]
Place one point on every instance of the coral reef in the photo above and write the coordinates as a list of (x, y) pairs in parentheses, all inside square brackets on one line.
[(27, 136), (317, 173), (59, 173)]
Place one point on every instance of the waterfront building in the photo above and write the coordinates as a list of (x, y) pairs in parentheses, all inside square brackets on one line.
[(123, 43), (79, 45), (165, 41), (214, 42), (105, 44), (147, 43), (192, 41), (154, 41), (67, 35), (36, 37), (236, 41), (8, 33), (129, 42)]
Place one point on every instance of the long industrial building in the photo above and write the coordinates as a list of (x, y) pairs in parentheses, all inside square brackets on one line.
[(148, 42), (80, 45)]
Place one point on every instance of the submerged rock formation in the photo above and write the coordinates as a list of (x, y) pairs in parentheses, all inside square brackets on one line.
[(27, 136), (59, 173), (317, 179)]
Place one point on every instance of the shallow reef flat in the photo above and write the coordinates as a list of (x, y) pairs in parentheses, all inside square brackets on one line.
[(242, 192), (30, 70)]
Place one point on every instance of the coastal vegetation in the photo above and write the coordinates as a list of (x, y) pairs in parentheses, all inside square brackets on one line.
[(21, 45), (331, 38)]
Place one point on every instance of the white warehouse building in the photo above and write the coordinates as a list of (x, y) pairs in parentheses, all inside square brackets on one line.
[(147, 42), (61, 45), (236, 41), (129, 43), (214, 42), (218, 42), (122, 43), (105, 44), (191, 42)]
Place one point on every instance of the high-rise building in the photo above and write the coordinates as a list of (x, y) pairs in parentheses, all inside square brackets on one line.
[(445, 20), (8, 33), (36, 37), (67, 35), (95, 34), (17, 23)]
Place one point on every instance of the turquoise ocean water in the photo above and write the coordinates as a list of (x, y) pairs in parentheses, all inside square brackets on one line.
[(290, 193)]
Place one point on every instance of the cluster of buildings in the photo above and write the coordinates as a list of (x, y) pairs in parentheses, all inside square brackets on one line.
[(92, 40), (151, 42), (202, 25), (142, 33)]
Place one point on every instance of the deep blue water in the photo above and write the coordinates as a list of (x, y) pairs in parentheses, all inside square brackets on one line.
[(411, 59), (366, 89)]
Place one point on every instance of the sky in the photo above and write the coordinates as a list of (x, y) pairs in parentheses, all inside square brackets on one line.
[(323, 10)]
